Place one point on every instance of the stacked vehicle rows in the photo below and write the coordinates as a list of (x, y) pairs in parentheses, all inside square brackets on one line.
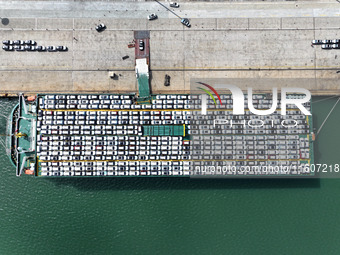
[(260, 101), (29, 45), (113, 102), (250, 147), (327, 44), (220, 138), (115, 168), (107, 122), (99, 135), (112, 148), (107, 142), (223, 122)]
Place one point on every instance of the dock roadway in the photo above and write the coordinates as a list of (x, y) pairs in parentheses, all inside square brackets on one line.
[(271, 40)]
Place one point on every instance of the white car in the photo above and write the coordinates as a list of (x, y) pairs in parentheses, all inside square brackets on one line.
[(92, 97), (174, 5), (83, 106), (105, 101), (126, 101), (94, 106), (152, 16)]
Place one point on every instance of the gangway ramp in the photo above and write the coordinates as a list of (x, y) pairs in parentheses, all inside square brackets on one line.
[(142, 74)]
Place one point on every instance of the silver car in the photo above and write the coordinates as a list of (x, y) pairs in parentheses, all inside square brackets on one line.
[(8, 42), (19, 48), (7, 47)]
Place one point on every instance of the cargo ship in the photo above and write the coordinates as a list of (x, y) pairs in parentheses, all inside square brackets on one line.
[(67, 135)]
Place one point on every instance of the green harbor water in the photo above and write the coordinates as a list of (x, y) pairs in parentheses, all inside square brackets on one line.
[(174, 215)]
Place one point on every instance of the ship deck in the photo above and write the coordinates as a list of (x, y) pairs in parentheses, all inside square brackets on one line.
[(107, 139)]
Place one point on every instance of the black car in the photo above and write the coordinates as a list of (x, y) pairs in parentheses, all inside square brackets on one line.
[(40, 48), (100, 27), (51, 48), (62, 48), (186, 22), (152, 16), (167, 80)]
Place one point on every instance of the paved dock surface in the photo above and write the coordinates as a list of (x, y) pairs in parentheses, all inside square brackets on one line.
[(226, 40)]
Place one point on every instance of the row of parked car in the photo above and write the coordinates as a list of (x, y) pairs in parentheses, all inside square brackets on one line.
[(318, 42), (330, 46), (327, 44), (33, 48), (29, 45), (19, 42)]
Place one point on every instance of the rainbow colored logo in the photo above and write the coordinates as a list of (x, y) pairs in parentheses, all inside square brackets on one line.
[(208, 92)]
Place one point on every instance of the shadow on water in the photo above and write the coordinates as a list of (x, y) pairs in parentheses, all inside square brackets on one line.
[(317, 152), (181, 183), (150, 80)]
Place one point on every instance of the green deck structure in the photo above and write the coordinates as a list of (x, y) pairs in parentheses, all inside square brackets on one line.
[(143, 86), (173, 130)]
